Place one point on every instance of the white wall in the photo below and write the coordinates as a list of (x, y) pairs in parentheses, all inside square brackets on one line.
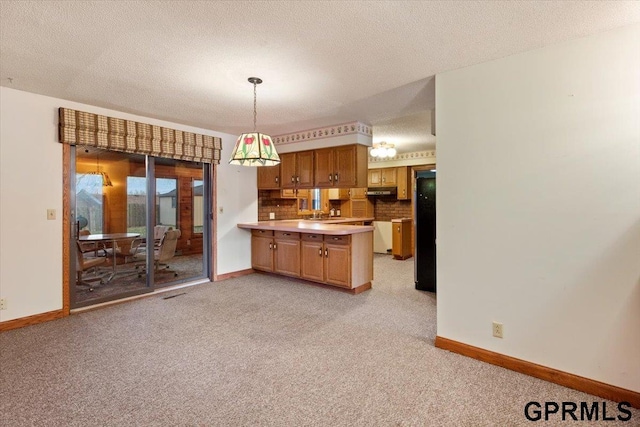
[(539, 206), (31, 182)]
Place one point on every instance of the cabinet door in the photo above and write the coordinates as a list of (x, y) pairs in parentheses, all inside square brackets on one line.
[(304, 169), (288, 170), (312, 265), (287, 257), (337, 265), (269, 177), (345, 168), (262, 253), (389, 177), (323, 161), (289, 193), (404, 183), (396, 231), (358, 193), (375, 177)]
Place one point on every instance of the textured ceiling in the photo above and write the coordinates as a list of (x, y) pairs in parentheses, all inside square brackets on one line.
[(322, 63)]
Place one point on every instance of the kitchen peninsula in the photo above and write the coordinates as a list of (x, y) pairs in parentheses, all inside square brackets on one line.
[(319, 251)]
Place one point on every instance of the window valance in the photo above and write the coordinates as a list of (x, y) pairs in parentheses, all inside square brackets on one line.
[(109, 133)]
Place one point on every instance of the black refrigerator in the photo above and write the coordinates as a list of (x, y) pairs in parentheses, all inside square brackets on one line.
[(425, 262)]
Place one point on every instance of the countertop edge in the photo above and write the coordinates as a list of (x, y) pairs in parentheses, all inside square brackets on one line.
[(302, 226)]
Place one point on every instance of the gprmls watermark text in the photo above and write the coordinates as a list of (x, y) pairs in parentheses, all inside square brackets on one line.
[(577, 411)]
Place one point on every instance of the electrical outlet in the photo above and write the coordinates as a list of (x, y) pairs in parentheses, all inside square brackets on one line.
[(51, 214), (3, 303), (272, 215), (497, 329)]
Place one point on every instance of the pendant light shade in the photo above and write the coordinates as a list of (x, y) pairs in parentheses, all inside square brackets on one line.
[(254, 148)]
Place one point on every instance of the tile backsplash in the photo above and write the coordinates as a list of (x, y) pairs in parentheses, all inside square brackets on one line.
[(282, 208), (385, 208)]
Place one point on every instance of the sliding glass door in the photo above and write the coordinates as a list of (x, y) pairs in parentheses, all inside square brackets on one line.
[(138, 223)]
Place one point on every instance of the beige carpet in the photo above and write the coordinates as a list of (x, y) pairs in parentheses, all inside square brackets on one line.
[(261, 350)]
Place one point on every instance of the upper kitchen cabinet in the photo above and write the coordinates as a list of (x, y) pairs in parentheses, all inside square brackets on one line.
[(296, 170), (269, 177), (343, 166), (404, 182), (385, 177)]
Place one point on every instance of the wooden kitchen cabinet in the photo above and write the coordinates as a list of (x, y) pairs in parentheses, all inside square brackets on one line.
[(286, 253), (312, 254), (389, 177), (358, 193), (343, 166), (277, 253), (404, 182), (374, 177), (269, 177), (383, 177), (327, 259), (296, 170), (344, 260), (262, 250), (337, 263), (357, 208), (401, 247)]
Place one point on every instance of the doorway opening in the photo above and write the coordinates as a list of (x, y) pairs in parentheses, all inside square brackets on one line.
[(137, 223)]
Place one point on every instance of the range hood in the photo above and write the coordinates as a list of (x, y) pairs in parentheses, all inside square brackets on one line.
[(382, 191)]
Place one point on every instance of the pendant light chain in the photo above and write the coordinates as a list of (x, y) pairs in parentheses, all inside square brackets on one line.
[(254, 107)]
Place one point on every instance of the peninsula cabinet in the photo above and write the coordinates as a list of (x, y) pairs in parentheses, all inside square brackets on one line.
[(296, 170), (326, 261), (312, 254), (332, 254), (286, 253), (277, 252), (269, 177), (343, 166), (262, 250)]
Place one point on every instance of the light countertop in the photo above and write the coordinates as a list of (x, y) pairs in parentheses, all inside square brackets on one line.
[(306, 226)]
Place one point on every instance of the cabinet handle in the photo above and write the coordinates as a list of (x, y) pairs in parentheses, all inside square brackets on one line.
[(297, 179), (277, 179), (313, 236), (336, 238), (275, 246), (335, 177), (286, 234), (270, 245), (293, 179), (398, 229), (326, 253), (330, 178), (384, 179), (320, 252)]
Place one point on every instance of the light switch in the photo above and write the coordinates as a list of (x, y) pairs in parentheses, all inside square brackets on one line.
[(51, 214)]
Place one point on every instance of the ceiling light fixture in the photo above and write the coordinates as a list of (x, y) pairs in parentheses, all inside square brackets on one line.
[(254, 148), (382, 150), (106, 181)]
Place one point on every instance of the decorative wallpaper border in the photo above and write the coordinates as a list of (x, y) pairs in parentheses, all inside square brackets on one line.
[(351, 128), (405, 156)]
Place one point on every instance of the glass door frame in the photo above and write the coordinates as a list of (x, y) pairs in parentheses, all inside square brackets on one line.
[(207, 232)]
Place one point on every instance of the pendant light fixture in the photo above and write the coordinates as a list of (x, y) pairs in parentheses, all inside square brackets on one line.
[(106, 181), (254, 148)]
